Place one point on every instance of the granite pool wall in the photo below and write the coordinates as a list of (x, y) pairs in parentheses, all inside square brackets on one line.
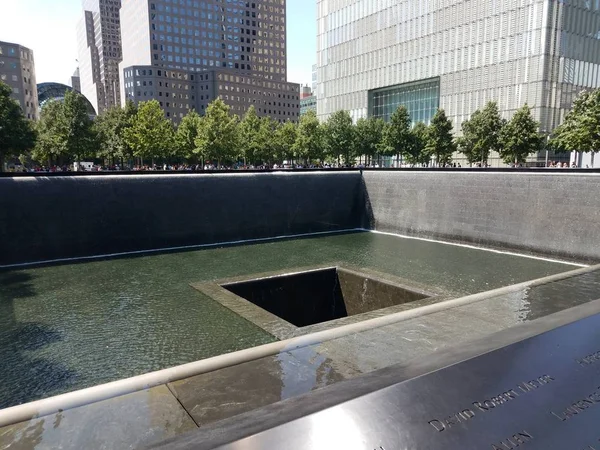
[(553, 214)]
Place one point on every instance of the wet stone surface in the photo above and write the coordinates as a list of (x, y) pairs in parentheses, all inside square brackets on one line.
[(234, 390), (129, 421)]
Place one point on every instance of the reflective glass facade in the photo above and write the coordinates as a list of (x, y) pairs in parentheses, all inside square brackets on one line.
[(99, 42), (539, 52), (232, 49), (421, 99), (57, 91), (308, 104)]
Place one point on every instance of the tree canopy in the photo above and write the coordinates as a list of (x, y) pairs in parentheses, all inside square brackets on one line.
[(217, 138), (418, 155), (16, 132), (520, 137), (65, 131), (340, 137), (110, 128), (481, 134), (309, 140), (580, 131), (150, 134), (186, 135), (369, 136), (283, 141), (439, 142), (397, 138)]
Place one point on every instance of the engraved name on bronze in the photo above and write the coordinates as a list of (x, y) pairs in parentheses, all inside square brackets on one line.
[(589, 359), (489, 404), (516, 440), (578, 407)]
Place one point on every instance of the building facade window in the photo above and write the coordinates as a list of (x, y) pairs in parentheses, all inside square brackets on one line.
[(421, 99)]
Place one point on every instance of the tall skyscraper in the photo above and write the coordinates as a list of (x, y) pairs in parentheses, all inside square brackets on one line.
[(99, 39), (17, 69), (76, 80), (457, 55), (186, 53)]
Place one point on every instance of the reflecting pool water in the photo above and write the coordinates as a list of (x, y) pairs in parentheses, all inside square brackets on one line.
[(71, 326)]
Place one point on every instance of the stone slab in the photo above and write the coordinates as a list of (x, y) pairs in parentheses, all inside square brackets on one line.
[(234, 390), (129, 421), (534, 386)]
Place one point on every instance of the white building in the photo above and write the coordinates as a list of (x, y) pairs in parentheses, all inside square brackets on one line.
[(373, 56)]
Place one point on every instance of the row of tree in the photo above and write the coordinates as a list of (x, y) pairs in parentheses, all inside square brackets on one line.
[(65, 133)]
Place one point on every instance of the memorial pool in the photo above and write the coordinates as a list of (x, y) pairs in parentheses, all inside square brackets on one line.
[(70, 326)]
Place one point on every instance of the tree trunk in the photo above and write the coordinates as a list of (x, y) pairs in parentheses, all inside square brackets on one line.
[(1, 162)]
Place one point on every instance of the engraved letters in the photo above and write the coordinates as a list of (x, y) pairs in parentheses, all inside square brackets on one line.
[(491, 403), (450, 421), (528, 386), (578, 407), (486, 405), (589, 359), (516, 440)]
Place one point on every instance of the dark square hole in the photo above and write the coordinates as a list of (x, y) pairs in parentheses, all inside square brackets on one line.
[(317, 296)]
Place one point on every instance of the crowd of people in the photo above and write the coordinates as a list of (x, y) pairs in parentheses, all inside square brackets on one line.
[(211, 166)]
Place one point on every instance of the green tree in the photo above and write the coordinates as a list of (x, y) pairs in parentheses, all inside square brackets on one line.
[(49, 145), (150, 135), (481, 133), (65, 131), (110, 128), (417, 154), (369, 136), (16, 132), (218, 135), (80, 140), (339, 137), (309, 142), (396, 135), (580, 131), (251, 136), (439, 142), (186, 134), (266, 151), (283, 141), (520, 137)]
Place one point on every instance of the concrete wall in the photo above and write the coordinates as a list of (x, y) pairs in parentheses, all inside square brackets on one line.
[(546, 213), (46, 218)]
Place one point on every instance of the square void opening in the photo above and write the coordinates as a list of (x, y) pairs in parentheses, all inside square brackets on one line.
[(317, 296)]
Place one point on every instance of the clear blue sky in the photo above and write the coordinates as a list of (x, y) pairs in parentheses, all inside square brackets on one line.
[(48, 27)]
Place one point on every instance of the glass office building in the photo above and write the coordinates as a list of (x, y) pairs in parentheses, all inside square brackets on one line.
[(232, 49), (373, 55), (421, 99)]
